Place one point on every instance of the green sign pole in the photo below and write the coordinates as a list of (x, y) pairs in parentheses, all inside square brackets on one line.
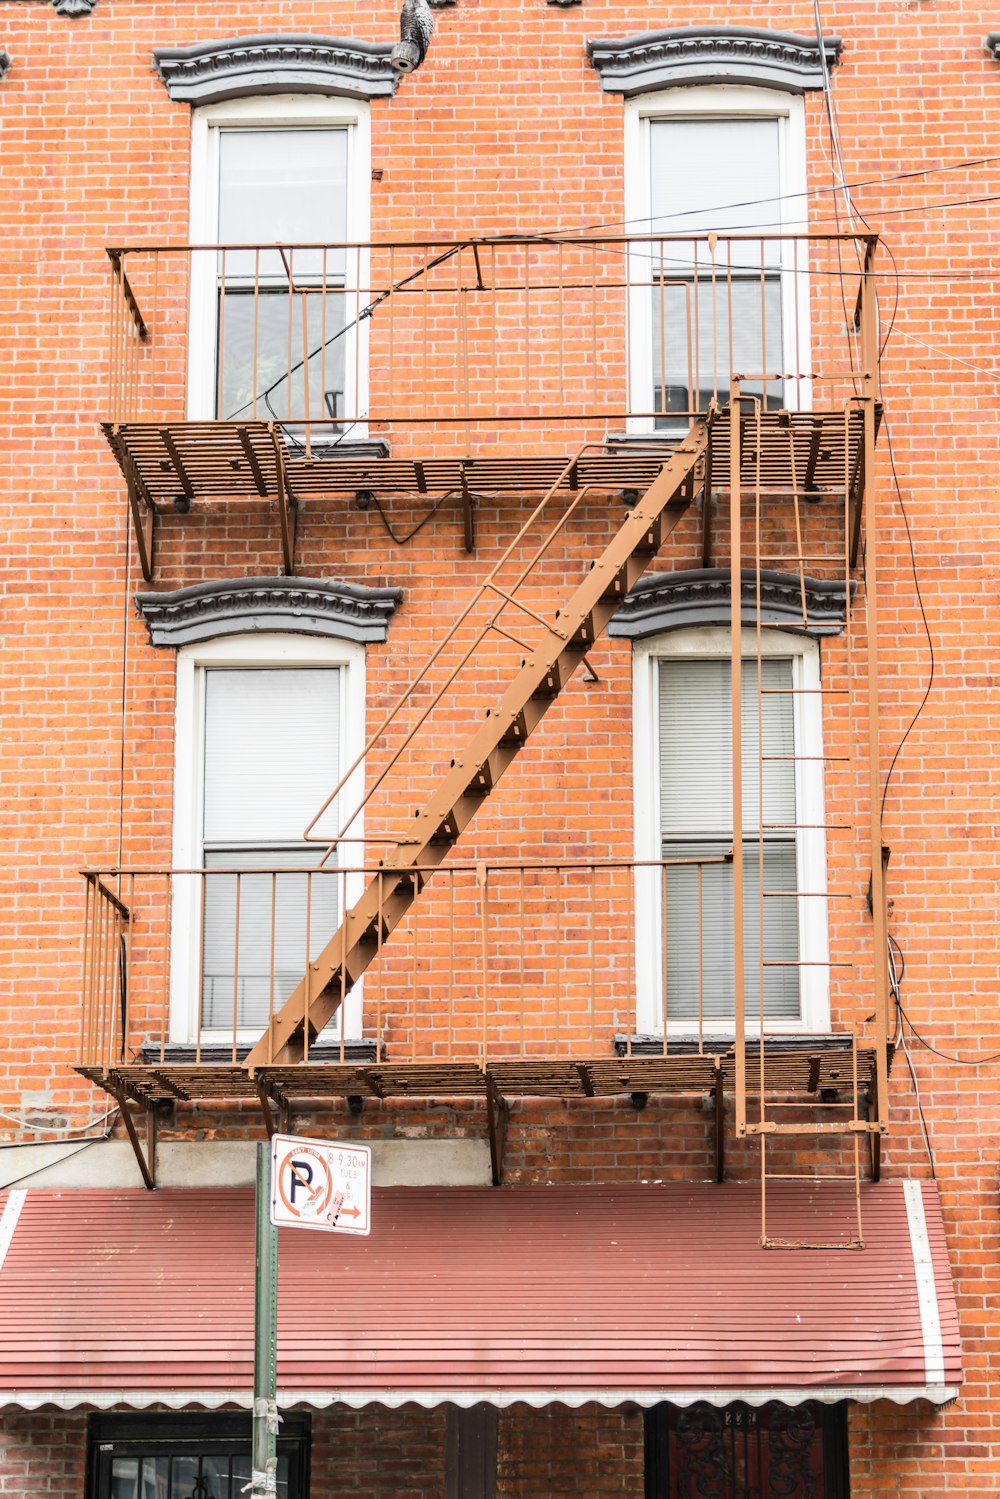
[(265, 1337)]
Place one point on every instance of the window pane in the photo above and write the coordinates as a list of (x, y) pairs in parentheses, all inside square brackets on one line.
[(282, 185), (215, 1477), (295, 898), (700, 946), (692, 327), (720, 174), (271, 752), (272, 346), (156, 1478), (183, 1476), (125, 1478), (695, 732)]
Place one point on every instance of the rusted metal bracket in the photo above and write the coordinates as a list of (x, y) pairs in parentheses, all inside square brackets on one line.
[(143, 511), (874, 1136), (468, 515), (270, 1105), (719, 1100), (497, 1118), (287, 506), (146, 1159)]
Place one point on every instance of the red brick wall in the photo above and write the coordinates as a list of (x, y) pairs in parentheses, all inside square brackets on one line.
[(504, 129), (42, 1456)]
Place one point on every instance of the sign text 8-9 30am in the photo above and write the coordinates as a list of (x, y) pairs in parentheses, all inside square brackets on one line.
[(322, 1184)]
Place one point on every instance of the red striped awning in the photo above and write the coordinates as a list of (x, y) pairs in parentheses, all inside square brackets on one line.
[(536, 1294)]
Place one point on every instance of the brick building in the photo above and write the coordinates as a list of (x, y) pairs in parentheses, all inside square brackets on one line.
[(374, 432)]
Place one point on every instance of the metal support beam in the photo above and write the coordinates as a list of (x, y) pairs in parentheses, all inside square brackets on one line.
[(147, 1167), (719, 1100), (287, 507), (497, 1118)]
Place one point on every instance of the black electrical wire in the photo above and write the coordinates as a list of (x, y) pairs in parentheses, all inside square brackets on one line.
[(401, 541)]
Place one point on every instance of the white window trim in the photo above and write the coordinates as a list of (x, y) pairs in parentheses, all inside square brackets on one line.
[(271, 112), (251, 650), (814, 976), (719, 101)]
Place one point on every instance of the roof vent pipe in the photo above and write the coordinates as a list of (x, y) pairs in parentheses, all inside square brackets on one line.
[(416, 27)]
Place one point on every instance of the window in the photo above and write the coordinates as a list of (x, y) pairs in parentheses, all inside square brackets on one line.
[(176, 1457), (779, 1451), (274, 332), (684, 816), (265, 728), (722, 160)]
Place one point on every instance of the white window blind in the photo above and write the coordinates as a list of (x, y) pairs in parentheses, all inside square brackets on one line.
[(271, 759), (696, 822), (720, 174), (288, 186)]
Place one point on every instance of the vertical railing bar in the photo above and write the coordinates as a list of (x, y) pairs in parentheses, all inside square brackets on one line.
[(521, 955), (759, 646), (306, 1034), (154, 335), (306, 403), (763, 325), (416, 958), (632, 973), (85, 1003), (593, 326), (236, 955), (256, 332), (219, 408), (663, 338), (271, 955), (559, 953), (527, 325), (694, 391), (736, 690), (357, 333), (796, 339), (451, 963), (129, 928), (392, 330), (664, 959), (562, 330), (484, 920), (101, 982), (342, 917), (592, 881), (112, 373), (424, 293), (380, 977), (701, 957), (165, 968), (201, 966), (290, 275), (494, 298)]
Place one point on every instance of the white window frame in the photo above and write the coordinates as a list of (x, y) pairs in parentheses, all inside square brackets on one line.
[(273, 112), (715, 101), (247, 651), (706, 643)]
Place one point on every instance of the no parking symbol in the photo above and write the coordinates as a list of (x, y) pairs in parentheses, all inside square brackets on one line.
[(320, 1184)]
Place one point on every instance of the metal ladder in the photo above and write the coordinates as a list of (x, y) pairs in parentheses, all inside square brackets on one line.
[(477, 769)]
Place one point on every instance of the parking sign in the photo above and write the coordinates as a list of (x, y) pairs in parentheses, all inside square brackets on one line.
[(321, 1184)]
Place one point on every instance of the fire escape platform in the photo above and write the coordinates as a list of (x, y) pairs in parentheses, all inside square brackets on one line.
[(812, 453), (793, 1069)]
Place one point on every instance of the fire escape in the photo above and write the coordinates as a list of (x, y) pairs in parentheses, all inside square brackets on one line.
[(571, 375)]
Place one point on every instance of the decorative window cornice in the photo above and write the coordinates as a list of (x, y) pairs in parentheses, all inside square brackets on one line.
[(992, 44), (4, 61), (211, 71), (237, 606), (711, 54), (675, 601), (74, 7)]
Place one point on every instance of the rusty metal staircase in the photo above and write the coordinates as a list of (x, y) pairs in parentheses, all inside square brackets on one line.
[(474, 773)]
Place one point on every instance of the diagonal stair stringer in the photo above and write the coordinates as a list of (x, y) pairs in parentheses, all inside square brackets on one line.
[(504, 732)]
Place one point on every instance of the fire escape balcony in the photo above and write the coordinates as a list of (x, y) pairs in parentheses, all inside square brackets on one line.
[(732, 380), (283, 374)]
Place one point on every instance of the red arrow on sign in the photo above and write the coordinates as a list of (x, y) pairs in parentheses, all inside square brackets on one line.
[(349, 1213)]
